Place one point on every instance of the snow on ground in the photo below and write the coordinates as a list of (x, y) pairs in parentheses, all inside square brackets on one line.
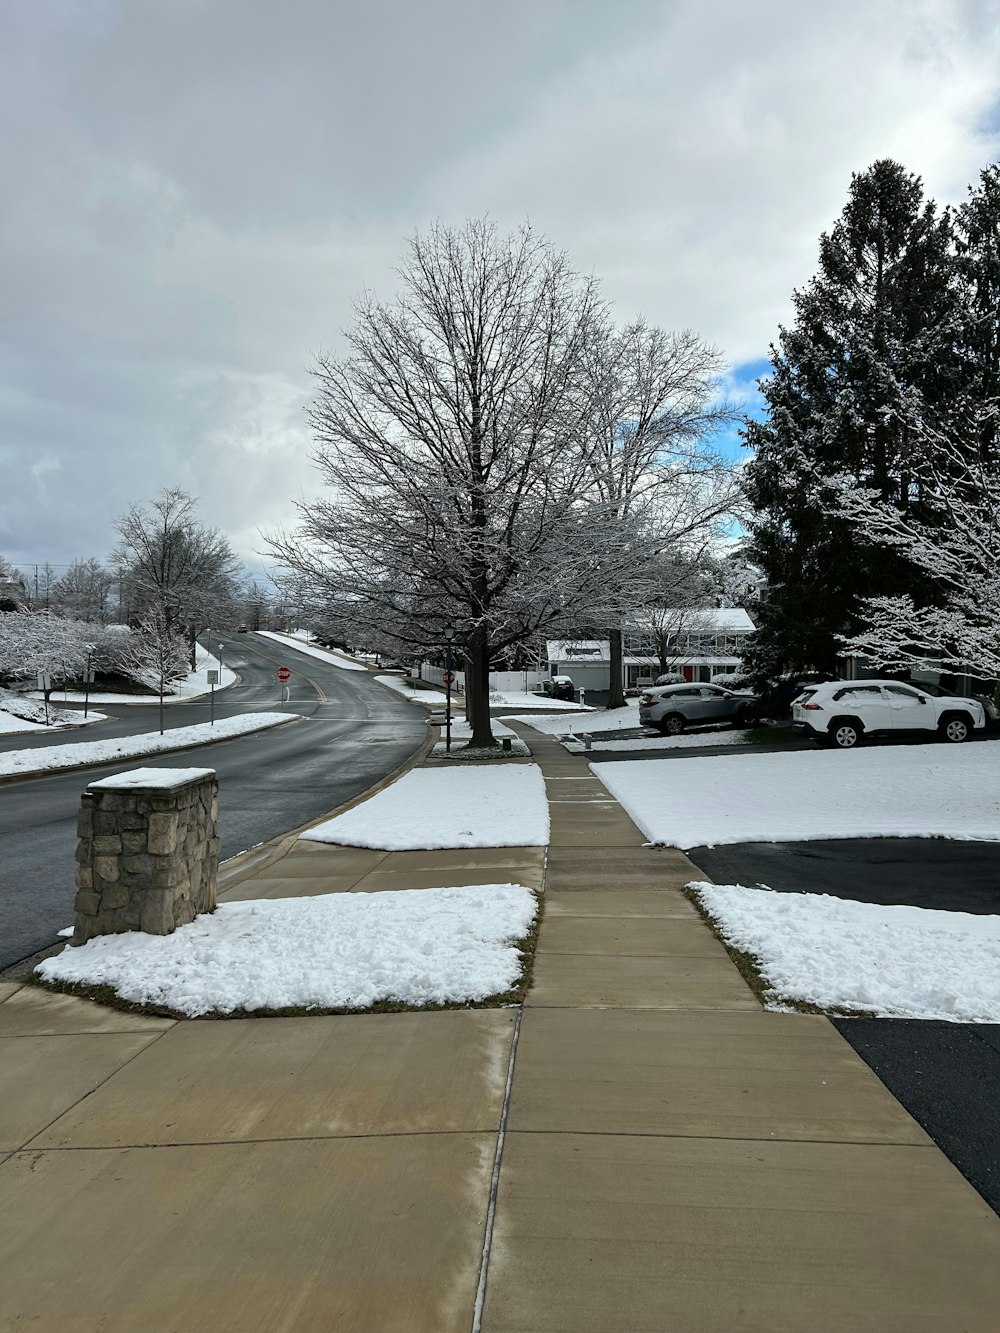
[(461, 734), (911, 791), (48, 758), (10, 723), (302, 645), (194, 686), (335, 951), (590, 720), (895, 962), (436, 698), (492, 806), (709, 739), (522, 699)]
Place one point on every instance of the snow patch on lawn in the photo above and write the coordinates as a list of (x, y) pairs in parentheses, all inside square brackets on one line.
[(895, 962), (335, 951), (429, 808), (22, 712), (589, 719), (48, 758), (301, 645), (435, 698), (193, 686), (525, 699), (710, 739), (913, 791)]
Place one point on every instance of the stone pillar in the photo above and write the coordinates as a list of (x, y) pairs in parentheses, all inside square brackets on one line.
[(148, 851)]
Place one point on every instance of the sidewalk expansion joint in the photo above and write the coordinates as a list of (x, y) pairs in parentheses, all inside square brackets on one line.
[(930, 1146), (246, 1143), (154, 1038), (477, 1313)]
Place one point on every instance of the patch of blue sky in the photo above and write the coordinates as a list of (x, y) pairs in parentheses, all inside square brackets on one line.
[(740, 385)]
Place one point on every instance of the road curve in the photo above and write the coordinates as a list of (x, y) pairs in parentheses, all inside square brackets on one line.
[(353, 732)]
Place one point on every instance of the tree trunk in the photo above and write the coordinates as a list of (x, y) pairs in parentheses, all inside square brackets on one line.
[(616, 690), (477, 690)]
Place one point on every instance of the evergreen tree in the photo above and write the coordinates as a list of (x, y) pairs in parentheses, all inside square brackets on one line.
[(977, 242), (877, 328)]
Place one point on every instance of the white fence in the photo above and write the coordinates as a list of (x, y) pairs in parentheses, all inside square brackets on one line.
[(499, 680)]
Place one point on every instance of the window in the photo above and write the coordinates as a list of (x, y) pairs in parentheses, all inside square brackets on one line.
[(901, 689), (711, 692), (853, 691)]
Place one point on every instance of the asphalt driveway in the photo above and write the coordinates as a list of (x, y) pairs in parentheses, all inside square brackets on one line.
[(947, 1075)]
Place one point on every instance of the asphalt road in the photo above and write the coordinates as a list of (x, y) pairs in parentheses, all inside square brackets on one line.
[(353, 733), (947, 1075)]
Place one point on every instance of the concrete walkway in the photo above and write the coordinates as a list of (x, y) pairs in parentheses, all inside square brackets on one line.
[(670, 1156), (678, 1159)]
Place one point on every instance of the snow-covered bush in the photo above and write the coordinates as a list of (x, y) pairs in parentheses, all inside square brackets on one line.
[(733, 680)]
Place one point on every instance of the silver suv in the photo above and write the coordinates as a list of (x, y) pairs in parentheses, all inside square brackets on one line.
[(842, 713), (671, 708)]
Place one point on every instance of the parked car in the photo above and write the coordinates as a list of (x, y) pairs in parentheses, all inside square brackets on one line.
[(674, 707), (563, 688), (843, 713), (242, 629)]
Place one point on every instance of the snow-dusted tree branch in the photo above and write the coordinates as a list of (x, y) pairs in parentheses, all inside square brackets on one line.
[(947, 524)]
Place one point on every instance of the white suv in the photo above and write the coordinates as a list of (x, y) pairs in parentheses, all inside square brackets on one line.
[(843, 712)]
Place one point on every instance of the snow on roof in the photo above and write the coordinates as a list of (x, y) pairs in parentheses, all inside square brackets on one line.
[(578, 650), (698, 620)]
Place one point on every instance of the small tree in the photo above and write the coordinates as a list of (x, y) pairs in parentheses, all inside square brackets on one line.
[(174, 571), (156, 654)]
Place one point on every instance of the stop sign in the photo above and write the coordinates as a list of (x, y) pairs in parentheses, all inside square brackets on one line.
[(283, 673), (448, 677)]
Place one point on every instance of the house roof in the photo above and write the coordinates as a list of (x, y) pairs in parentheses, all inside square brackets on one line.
[(700, 620)]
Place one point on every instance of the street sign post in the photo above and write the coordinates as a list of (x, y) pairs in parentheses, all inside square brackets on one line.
[(213, 680), (284, 675)]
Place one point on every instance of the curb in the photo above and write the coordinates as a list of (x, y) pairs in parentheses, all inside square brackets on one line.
[(238, 867)]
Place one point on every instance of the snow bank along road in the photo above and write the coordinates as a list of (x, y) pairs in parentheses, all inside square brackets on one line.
[(354, 732)]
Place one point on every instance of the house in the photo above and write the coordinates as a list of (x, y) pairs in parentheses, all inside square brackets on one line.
[(696, 644)]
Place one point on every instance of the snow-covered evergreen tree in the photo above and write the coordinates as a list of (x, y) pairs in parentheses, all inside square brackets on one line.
[(879, 323)]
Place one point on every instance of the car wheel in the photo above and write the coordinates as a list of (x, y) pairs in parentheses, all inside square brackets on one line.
[(954, 729), (672, 725), (845, 735)]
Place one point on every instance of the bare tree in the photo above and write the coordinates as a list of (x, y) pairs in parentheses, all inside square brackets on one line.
[(453, 437), (656, 404), (173, 569), (155, 654), (84, 591)]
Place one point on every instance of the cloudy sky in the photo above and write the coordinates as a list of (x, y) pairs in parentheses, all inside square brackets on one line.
[(192, 192)]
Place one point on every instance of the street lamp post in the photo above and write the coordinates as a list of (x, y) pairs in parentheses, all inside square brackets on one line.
[(87, 677), (449, 634)]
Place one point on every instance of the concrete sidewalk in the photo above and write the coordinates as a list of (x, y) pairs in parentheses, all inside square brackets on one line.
[(670, 1156), (678, 1159)]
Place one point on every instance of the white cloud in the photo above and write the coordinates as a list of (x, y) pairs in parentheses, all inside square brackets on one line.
[(196, 192)]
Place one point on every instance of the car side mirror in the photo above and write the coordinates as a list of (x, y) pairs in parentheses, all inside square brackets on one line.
[(921, 701)]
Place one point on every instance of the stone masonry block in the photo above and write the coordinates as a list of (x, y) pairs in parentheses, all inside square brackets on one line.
[(86, 902), (156, 915), (114, 897), (107, 867), (107, 844), (162, 832), (84, 877)]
